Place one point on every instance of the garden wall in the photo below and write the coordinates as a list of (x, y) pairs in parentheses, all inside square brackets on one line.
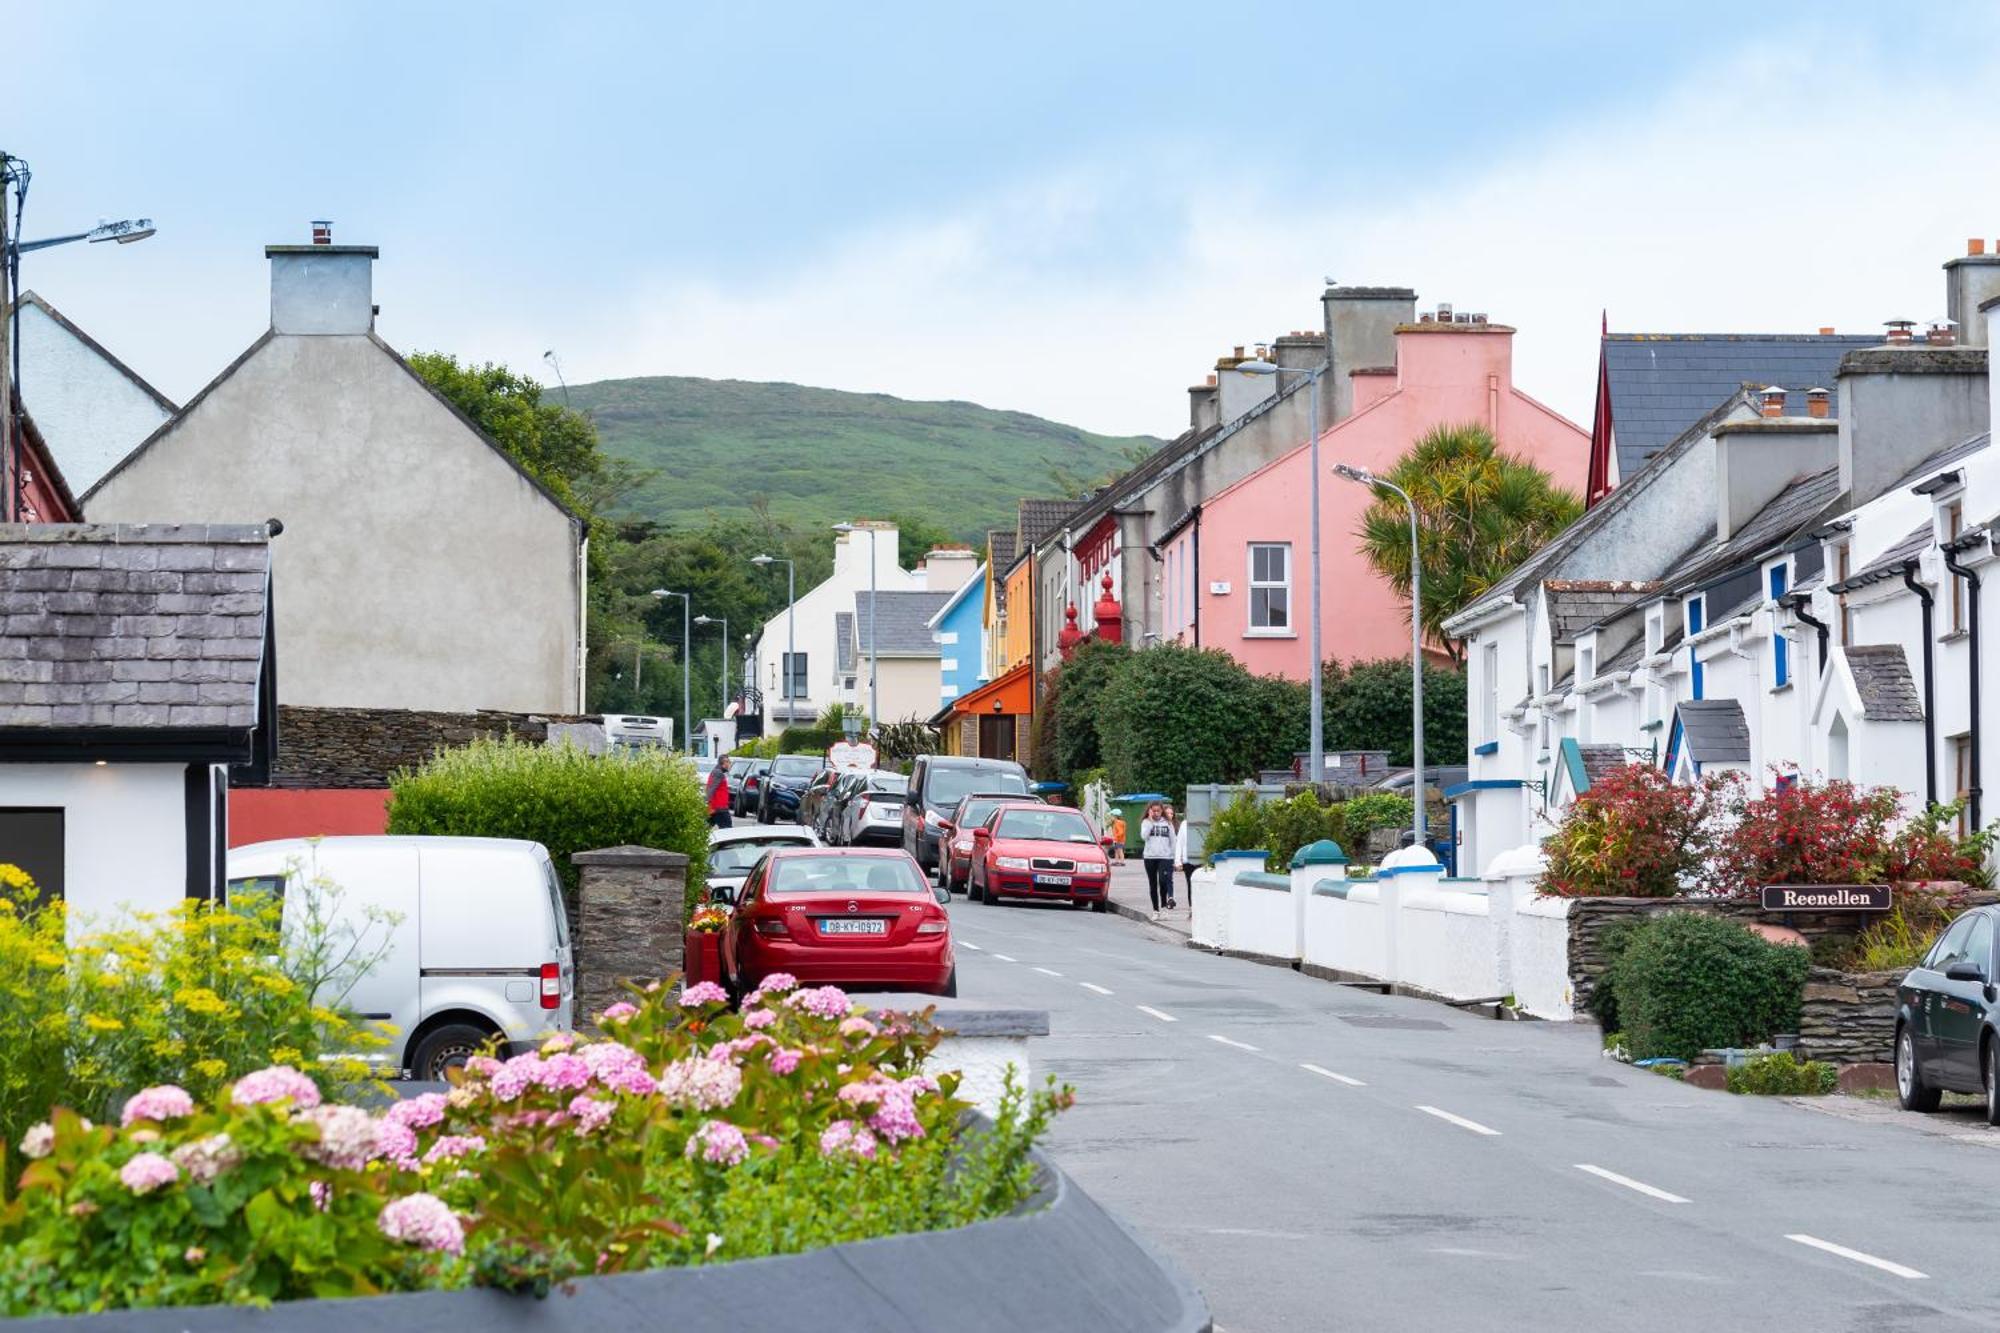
[(1849, 1017)]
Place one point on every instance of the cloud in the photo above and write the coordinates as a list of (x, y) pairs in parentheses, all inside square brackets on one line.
[(1768, 192)]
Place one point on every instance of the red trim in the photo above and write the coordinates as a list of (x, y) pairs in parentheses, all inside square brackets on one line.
[(1599, 483)]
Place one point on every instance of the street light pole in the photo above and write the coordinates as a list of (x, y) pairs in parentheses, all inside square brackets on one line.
[(1368, 478), (791, 614), (687, 638), (874, 648), (724, 621)]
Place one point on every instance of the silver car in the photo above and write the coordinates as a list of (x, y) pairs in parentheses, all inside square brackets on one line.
[(734, 852), (872, 810)]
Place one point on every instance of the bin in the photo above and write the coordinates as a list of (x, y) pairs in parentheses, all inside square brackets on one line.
[(1133, 807)]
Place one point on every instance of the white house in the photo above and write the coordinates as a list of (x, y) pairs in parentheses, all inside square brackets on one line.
[(796, 662), (91, 408)]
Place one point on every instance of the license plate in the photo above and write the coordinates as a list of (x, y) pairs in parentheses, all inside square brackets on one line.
[(853, 926), (1052, 879)]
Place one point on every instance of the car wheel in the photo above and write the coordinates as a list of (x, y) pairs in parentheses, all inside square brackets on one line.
[(1101, 905), (1910, 1090), (950, 988), (973, 893), (447, 1047), (1990, 1062), (992, 897)]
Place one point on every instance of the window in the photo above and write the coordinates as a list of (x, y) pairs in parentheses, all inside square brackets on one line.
[(795, 675), (1841, 572), (1953, 944), (1694, 624), (1781, 647), (1954, 522), (1489, 705), (1586, 665), (1656, 630), (1961, 765), (33, 839), (1271, 587)]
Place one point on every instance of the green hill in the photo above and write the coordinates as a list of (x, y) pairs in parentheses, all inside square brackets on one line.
[(822, 455)]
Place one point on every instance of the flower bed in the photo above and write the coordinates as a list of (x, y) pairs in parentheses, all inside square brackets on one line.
[(689, 1135)]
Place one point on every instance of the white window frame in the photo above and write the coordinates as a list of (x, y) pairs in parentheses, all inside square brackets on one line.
[(1252, 585), (1489, 707)]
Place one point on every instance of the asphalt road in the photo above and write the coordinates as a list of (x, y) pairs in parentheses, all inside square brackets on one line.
[(1321, 1157)]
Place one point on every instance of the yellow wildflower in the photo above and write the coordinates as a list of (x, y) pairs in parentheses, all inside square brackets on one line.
[(50, 959), (98, 1023), (286, 1055), (273, 982), (211, 1068), (201, 1000)]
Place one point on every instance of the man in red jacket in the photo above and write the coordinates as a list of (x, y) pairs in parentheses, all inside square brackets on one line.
[(718, 793)]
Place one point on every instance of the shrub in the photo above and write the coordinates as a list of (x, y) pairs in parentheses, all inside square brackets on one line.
[(1688, 982), (1174, 715), (1368, 708), (1376, 810), (561, 797), (1079, 698), (1898, 939), (1635, 833), (1299, 822), (692, 1134), (1927, 848), (1237, 827), (1780, 1075), (1809, 833)]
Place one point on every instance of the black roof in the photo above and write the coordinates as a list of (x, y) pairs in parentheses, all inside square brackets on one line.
[(1890, 563), (1714, 731), (1662, 383), (1882, 678)]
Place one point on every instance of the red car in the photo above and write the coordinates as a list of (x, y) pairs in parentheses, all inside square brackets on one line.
[(955, 835), (1030, 850), (859, 918)]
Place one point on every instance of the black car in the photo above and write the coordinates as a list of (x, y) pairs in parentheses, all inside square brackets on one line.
[(938, 782), (812, 805), (780, 789), (1948, 1018)]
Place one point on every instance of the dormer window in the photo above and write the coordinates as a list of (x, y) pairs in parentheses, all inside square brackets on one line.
[(1586, 664), (1656, 629), (1951, 524)]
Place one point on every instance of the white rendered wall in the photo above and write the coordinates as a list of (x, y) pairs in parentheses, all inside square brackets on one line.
[(123, 833)]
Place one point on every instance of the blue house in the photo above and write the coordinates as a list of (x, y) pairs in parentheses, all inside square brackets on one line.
[(960, 632)]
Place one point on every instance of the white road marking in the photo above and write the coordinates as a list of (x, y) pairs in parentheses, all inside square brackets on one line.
[(1460, 1121), (968, 944), (1857, 1256), (1048, 971), (1648, 1190), (1003, 957), (1164, 1018), (1337, 1078), (1089, 985), (1231, 1041)]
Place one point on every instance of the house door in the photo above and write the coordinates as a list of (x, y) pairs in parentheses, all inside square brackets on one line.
[(996, 737)]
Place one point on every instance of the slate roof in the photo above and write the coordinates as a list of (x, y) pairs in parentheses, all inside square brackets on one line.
[(1599, 760), (902, 622), (1041, 517), (843, 638), (1798, 507), (1575, 606), (1714, 731), (1882, 678), (1889, 564), (1662, 383), (132, 627), (1944, 458)]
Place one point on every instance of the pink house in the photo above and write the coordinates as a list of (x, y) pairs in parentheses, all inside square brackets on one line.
[(1234, 574)]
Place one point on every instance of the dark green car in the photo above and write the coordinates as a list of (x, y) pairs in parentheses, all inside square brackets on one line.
[(1948, 1018)]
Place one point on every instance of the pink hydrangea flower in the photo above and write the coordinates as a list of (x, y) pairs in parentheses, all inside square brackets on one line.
[(516, 1076), (844, 1138), (822, 1001), (778, 981), (148, 1172), (618, 1013), (707, 1085), (397, 1142), (701, 993), (423, 1220), (419, 1112), (484, 1066), (207, 1158), (719, 1142), (785, 1059), (592, 1113), (276, 1084), (563, 1073), (347, 1137), (165, 1102), (39, 1141), (895, 1115), (451, 1147), (759, 1018), (561, 1041), (617, 1066), (857, 1026), (322, 1195)]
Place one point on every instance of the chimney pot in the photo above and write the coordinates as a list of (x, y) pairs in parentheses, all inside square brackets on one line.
[(1826, 330), (1211, 381), (1774, 401), (1975, 245), (1239, 353), (1940, 334), (1444, 312), (1899, 330), (1818, 401), (322, 233)]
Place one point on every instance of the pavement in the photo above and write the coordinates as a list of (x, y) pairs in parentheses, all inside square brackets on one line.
[(1320, 1157), (1130, 900)]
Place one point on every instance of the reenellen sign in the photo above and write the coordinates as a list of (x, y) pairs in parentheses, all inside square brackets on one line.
[(851, 754), (1826, 897)]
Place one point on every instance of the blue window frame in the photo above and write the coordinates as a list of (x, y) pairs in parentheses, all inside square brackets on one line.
[(1694, 625), (1781, 647)]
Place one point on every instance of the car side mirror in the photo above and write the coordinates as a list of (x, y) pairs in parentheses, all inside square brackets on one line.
[(723, 893), (942, 894), (944, 826), (1964, 970), (982, 835)]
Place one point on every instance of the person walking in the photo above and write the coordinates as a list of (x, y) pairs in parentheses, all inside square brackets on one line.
[(1114, 842), (1181, 858), (718, 794), (1156, 849), (1167, 875)]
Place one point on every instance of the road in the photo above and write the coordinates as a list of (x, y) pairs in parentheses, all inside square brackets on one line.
[(1326, 1158)]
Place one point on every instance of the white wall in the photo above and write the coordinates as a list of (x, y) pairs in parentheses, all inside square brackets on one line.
[(1261, 920), (1446, 943), (124, 842), (813, 631), (89, 411)]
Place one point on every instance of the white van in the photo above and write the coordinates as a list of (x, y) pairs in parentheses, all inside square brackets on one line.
[(479, 947)]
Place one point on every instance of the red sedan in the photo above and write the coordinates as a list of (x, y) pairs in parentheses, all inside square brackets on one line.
[(1031, 850), (854, 917)]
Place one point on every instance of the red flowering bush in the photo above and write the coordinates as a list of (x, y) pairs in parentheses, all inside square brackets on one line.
[(1824, 833), (1635, 833)]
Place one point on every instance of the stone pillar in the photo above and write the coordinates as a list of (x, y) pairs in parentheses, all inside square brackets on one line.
[(631, 916)]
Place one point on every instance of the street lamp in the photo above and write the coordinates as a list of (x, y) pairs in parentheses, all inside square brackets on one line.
[(1316, 745), (1367, 478), (687, 707), (724, 622), (791, 615), (874, 648)]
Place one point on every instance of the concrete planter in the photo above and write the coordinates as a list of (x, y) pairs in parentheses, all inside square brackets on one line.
[(1061, 1261)]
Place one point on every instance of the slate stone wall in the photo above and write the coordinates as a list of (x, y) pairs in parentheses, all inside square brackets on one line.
[(1849, 1017), (360, 747), (631, 915)]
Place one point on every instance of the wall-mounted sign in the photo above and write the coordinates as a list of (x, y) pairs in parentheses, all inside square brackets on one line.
[(1826, 897), (851, 755)]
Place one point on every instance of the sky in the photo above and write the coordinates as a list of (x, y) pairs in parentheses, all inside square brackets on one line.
[(1067, 209)]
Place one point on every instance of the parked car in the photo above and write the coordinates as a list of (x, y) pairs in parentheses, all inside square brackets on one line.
[(1948, 1021), (955, 850), (734, 852), (872, 809), (477, 940), (745, 778), (812, 805), (1030, 850), (939, 782), (854, 918), (779, 790)]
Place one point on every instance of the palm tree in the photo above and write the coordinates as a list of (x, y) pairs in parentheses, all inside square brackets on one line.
[(1480, 513)]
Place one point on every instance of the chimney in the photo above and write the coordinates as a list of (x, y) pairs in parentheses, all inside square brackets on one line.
[(1940, 334), (322, 288), (1203, 409), (1361, 325), (1758, 459), (1900, 331), (1774, 401), (1826, 330), (1900, 404), (1969, 282), (1237, 390), (1818, 401)]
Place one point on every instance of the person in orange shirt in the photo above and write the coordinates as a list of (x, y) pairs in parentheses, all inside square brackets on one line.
[(1114, 841)]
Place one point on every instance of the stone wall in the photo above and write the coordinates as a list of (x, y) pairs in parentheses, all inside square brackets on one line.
[(360, 747), (631, 915), (1849, 1017)]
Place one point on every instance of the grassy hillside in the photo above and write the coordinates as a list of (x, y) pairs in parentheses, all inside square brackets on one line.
[(821, 455)]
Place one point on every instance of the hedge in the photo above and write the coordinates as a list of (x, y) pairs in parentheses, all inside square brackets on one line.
[(1688, 982)]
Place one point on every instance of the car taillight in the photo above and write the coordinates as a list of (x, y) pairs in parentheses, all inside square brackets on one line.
[(551, 985), (934, 927), (770, 925)]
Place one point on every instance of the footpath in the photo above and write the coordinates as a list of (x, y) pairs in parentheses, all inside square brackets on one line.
[(1128, 898)]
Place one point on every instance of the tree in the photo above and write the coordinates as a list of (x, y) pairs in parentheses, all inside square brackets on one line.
[(1368, 707), (1480, 513), (1174, 715), (1078, 697), (554, 444)]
